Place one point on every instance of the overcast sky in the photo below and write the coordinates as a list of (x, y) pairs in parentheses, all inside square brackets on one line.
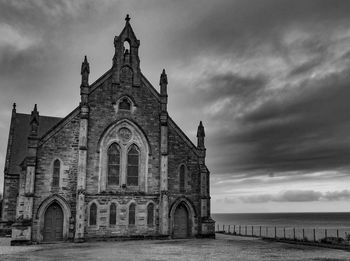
[(270, 79)]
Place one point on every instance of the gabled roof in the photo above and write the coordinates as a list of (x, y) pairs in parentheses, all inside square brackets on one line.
[(21, 131)]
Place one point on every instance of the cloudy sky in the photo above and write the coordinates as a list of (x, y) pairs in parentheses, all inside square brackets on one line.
[(269, 79)]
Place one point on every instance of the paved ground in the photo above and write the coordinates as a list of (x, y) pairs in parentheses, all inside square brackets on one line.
[(225, 247)]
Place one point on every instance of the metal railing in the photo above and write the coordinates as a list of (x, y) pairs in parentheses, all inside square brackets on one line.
[(338, 235)]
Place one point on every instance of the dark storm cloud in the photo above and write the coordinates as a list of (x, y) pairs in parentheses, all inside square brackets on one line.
[(305, 130), (225, 85), (224, 27), (253, 124)]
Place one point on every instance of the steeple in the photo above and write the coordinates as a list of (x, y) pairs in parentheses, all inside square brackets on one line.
[(34, 121), (126, 62), (200, 136)]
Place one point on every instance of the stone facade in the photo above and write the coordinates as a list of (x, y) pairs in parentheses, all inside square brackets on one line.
[(116, 166)]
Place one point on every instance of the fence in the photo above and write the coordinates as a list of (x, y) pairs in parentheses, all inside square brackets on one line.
[(288, 233)]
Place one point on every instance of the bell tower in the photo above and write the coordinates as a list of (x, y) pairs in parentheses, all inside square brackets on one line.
[(126, 61)]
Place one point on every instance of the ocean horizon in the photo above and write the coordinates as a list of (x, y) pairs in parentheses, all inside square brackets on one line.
[(286, 219)]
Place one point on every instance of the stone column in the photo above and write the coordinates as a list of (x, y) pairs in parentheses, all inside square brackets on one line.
[(164, 199), (207, 228), (22, 228), (82, 157)]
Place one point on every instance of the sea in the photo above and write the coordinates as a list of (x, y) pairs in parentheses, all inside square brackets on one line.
[(310, 225)]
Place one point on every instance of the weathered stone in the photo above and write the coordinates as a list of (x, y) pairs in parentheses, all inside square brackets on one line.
[(120, 108)]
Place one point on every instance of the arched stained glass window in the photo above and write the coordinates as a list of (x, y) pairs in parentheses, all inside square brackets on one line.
[(56, 173), (132, 175), (150, 214), (93, 214), (182, 178), (132, 214), (113, 164), (113, 214)]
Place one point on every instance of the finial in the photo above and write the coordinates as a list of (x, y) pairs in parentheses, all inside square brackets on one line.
[(14, 106), (200, 131), (85, 66), (163, 78), (127, 18), (35, 108)]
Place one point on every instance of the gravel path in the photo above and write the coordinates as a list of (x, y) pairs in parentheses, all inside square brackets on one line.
[(225, 247)]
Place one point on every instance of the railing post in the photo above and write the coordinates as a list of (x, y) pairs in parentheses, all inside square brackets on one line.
[(325, 233), (284, 233), (245, 230), (234, 229), (337, 234), (260, 231), (275, 232), (229, 228), (294, 233), (303, 234), (252, 231), (239, 233), (223, 228), (314, 235), (267, 231)]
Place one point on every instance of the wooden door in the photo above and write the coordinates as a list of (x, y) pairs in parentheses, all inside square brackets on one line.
[(53, 223), (181, 222)]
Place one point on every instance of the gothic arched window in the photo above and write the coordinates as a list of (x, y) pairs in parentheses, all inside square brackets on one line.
[(124, 104), (56, 173), (132, 173), (113, 214), (113, 164), (132, 214), (150, 214), (182, 178), (93, 214)]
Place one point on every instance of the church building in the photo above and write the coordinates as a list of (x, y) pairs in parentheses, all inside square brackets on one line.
[(117, 166)]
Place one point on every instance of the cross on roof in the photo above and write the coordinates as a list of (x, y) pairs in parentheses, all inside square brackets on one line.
[(127, 18)]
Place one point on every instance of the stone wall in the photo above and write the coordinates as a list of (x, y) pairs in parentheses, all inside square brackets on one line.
[(63, 145), (180, 152), (103, 228), (103, 114), (144, 113), (11, 183)]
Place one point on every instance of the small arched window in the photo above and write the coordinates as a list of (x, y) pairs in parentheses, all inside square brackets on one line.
[(182, 178), (113, 164), (126, 46), (56, 173), (150, 214), (132, 174), (132, 214), (113, 214), (124, 104), (93, 214)]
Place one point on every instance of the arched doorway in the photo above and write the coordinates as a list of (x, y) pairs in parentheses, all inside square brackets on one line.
[(181, 226), (53, 223)]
